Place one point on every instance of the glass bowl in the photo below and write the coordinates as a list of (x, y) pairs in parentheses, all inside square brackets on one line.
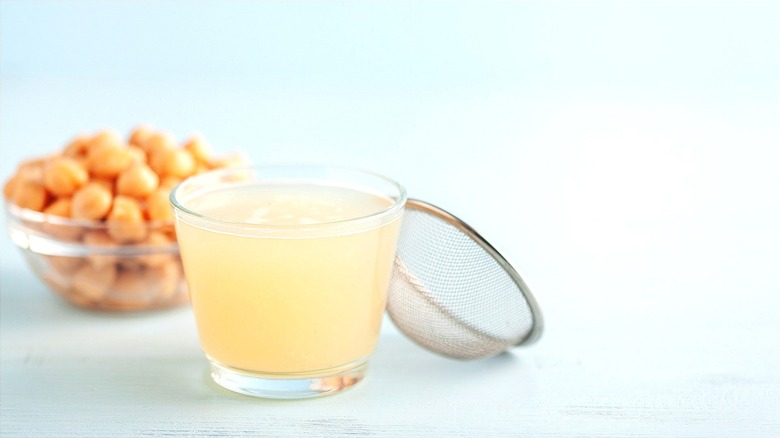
[(100, 265)]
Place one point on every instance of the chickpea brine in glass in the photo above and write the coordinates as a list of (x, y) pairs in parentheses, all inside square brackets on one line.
[(94, 221), (288, 270)]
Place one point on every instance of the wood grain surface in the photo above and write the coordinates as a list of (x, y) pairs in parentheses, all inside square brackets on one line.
[(69, 373)]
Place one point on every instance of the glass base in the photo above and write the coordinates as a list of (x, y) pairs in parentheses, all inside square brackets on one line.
[(278, 387)]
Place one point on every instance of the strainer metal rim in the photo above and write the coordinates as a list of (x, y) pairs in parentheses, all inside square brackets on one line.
[(536, 314)]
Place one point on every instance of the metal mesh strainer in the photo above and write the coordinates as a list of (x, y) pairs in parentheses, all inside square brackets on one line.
[(453, 293)]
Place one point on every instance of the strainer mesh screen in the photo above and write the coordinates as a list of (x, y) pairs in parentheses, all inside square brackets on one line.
[(450, 295)]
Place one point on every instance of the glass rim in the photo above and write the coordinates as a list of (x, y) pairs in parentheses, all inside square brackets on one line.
[(398, 202)]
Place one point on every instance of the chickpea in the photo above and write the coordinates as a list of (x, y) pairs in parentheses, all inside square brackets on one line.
[(109, 161), (179, 163), (158, 208), (156, 149), (106, 183), (107, 138), (30, 194), (157, 238), (126, 220), (63, 231), (77, 147), (131, 263), (141, 135), (169, 182), (156, 162), (92, 283), (32, 170), (139, 180), (158, 155), (65, 266), (82, 160), (160, 140), (60, 207), (170, 232), (92, 201), (100, 238), (137, 154), (63, 175), (199, 148), (131, 290), (10, 186), (164, 280)]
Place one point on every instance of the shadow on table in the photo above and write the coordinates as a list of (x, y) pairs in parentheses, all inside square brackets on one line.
[(398, 355)]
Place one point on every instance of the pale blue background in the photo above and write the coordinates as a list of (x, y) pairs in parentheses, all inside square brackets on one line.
[(568, 130), (624, 155)]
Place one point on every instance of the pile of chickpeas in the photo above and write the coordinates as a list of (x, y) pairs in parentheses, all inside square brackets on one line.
[(107, 193)]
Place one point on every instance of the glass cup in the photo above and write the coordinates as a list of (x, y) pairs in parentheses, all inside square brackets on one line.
[(288, 269)]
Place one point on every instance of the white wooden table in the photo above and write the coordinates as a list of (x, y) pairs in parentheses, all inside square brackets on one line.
[(683, 369), (624, 156)]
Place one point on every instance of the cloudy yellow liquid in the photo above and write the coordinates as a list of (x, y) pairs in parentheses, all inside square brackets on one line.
[(300, 289)]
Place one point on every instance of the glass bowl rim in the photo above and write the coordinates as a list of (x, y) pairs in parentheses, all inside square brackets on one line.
[(39, 217), (39, 241)]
